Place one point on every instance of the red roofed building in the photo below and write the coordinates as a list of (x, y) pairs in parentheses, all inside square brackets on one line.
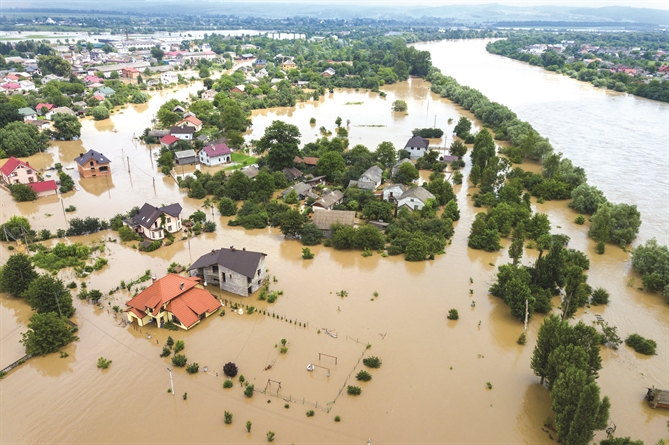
[(15, 171), (307, 160), (168, 140), (45, 188), (191, 121), (11, 86), (181, 300), (41, 106), (215, 154), (130, 73)]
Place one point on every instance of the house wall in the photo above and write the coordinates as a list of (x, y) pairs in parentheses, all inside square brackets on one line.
[(416, 152), (21, 174), (184, 137), (140, 321), (239, 284), (216, 160), (186, 161), (93, 169), (395, 191)]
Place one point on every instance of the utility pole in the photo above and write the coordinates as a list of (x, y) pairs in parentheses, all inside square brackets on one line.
[(58, 303), (526, 314), (128, 157), (171, 381), (62, 204)]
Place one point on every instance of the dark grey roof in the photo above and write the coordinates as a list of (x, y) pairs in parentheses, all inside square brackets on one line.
[(182, 130), (148, 214), (418, 141), (244, 262), (92, 154)]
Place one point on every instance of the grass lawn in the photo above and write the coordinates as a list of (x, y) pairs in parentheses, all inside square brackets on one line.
[(242, 160)]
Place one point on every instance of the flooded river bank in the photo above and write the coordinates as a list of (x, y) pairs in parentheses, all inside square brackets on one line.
[(431, 387)]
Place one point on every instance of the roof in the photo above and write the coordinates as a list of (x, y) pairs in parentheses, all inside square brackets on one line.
[(400, 186), (182, 130), (308, 160), (192, 119), (64, 110), (148, 214), (396, 167), (300, 188), (183, 299), (418, 193), (244, 262), (92, 154), (216, 150), (44, 105), (330, 199), (168, 140), (184, 154), (251, 171), (106, 91), (418, 141), (292, 173), (11, 165), (326, 218), (26, 111), (43, 186), (373, 173)]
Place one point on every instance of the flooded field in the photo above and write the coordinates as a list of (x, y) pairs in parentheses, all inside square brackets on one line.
[(431, 387)]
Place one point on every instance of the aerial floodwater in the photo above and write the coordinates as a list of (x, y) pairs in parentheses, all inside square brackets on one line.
[(432, 385)]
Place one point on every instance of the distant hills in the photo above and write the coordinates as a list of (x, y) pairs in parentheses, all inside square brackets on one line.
[(488, 15)]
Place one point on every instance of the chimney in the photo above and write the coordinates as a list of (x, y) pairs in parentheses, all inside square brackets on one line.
[(181, 286), (213, 252), (81, 154), (153, 279), (244, 249), (232, 248)]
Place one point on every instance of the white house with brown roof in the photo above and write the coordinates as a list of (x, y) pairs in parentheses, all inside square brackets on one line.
[(191, 121), (152, 222), (414, 199), (239, 271), (173, 298)]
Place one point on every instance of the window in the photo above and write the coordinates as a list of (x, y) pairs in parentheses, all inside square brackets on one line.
[(92, 164), (169, 228)]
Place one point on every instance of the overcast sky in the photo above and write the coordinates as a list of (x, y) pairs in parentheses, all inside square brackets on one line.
[(653, 4)]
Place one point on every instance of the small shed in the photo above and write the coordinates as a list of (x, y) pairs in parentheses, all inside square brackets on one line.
[(185, 157), (325, 219)]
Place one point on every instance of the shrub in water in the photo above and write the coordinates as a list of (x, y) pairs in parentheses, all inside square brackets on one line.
[(453, 314), (372, 361), (103, 363), (227, 383), (230, 369), (601, 247), (166, 352), (179, 360), (353, 390), (228, 417), (580, 219), (179, 346), (363, 376), (600, 296), (641, 345), (193, 368), (337, 419), (248, 392), (310, 413)]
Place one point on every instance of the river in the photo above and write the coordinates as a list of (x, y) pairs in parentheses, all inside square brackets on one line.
[(432, 385)]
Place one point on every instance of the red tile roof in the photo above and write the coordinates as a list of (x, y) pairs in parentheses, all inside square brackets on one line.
[(42, 105), (193, 120), (44, 186), (169, 139), (180, 295), (11, 165), (11, 86), (217, 150), (308, 160)]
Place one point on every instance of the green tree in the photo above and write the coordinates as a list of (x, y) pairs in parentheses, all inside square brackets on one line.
[(48, 294), (457, 148), (551, 335), (54, 65), (9, 113), (331, 165), (100, 113), (281, 141), (615, 223), (451, 211), (67, 126), (462, 128), (586, 199), (369, 237), (157, 53), (400, 105), (407, 173), (227, 207), (22, 140), (22, 192), (17, 274), (417, 249), (262, 187), (238, 186), (66, 182), (651, 260), (291, 222), (386, 154), (291, 197), (442, 190), (15, 228), (47, 333), (310, 234)]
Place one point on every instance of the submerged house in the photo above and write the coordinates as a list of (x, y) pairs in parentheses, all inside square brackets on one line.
[(92, 163), (414, 199), (417, 146), (240, 272), (324, 220), (181, 300), (151, 222)]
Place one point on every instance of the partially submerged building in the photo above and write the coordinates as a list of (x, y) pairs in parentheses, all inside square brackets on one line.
[(238, 271)]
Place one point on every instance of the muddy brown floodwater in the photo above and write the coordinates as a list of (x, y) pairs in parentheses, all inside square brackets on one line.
[(432, 385)]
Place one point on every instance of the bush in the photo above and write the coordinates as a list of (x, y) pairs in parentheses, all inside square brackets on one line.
[(22, 192), (457, 178), (179, 346), (353, 390), (363, 376), (248, 392), (270, 436), (601, 247), (580, 219), (522, 339), (600, 296), (372, 362), (228, 417), (227, 207), (310, 413), (179, 360), (453, 314), (337, 419), (307, 254), (166, 352), (100, 113), (103, 363), (193, 368), (230, 369), (641, 345), (227, 383)]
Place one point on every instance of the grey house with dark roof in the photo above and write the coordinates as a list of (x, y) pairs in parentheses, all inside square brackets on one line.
[(370, 179), (240, 272), (185, 157), (152, 222)]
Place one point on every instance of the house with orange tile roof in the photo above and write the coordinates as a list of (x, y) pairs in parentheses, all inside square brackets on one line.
[(173, 298), (190, 121)]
